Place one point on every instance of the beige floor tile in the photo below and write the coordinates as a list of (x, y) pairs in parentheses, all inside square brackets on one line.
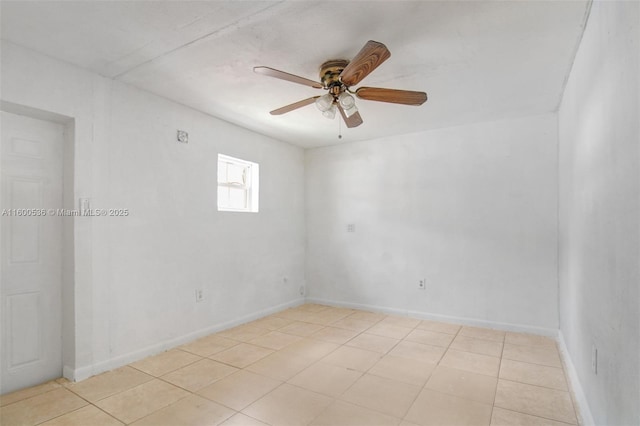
[(288, 405), (10, 398), (389, 330), (543, 355), (483, 333), (399, 321), (502, 417), (528, 339), (109, 383), (433, 408), (239, 389), (40, 408), (440, 327), (199, 374), (463, 384), (281, 366), (165, 362), (243, 333), (89, 415), (345, 312), (477, 346), (537, 401), (190, 411), (209, 345), (310, 348), (327, 379), (426, 353), (293, 315), (403, 369), (240, 419), (427, 337), (373, 343), (275, 340), (469, 361), (270, 323), (322, 318), (341, 413), (334, 314), (136, 403), (241, 355), (353, 324), (407, 423), (533, 374), (380, 394), (334, 335), (313, 307), (302, 329), (367, 316), (354, 358)]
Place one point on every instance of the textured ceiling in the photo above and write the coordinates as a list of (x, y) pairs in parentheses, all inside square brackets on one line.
[(476, 60)]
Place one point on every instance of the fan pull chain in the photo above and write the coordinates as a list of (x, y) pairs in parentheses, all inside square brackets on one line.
[(339, 128)]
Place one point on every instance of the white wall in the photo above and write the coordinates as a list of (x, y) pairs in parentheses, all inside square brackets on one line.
[(473, 209), (135, 277), (600, 212)]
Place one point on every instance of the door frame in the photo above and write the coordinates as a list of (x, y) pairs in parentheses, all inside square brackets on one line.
[(68, 229)]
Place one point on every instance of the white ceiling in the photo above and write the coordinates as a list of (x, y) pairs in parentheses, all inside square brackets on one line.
[(477, 60)]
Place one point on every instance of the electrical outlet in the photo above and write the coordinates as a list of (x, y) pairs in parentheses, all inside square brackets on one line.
[(199, 295), (422, 284), (302, 290), (351, 227), (594, 359)]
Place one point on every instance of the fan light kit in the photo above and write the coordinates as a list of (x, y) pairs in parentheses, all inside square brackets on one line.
[(337, 76)]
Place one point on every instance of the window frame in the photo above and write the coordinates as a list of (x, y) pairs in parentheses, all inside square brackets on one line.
[(251, 184)]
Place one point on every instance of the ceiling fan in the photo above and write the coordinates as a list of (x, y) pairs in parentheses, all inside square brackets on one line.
[(337, 76)]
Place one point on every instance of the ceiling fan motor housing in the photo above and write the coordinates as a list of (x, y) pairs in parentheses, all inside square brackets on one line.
[(330, 74)]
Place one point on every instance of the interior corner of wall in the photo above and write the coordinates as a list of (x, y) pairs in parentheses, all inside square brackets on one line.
[(583, 411)]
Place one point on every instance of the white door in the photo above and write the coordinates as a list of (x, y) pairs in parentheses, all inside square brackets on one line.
[(31, 286)]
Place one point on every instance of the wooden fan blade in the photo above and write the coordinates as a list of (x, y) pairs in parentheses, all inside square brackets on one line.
[(295, 105), (368, 59), (353, 121), (405, 97), (286, 76)]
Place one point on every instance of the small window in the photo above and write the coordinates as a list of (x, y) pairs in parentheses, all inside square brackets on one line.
[(237, 184)]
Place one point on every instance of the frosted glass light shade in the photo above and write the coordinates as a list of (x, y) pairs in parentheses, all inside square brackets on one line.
[(331, 112), (346, 100), (324, 102)]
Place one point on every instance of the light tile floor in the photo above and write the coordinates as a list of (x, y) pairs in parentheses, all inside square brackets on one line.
[(320, 365)]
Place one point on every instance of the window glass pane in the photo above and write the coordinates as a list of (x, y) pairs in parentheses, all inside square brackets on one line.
[(222, 171), (223, 196), (237, 198), (235, 173)]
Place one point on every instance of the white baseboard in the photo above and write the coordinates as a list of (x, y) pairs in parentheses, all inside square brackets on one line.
[(549, 332), (578, 393), (85, 372)]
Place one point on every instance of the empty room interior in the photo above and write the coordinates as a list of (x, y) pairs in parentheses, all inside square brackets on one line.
[(357, 213)]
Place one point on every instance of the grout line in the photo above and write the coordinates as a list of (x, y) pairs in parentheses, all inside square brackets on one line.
[(495, 394), (32, 396)]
